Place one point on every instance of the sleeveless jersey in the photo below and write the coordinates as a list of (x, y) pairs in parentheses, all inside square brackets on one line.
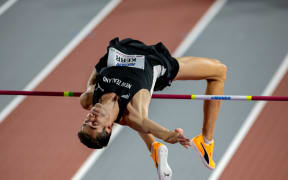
[(129, 66)]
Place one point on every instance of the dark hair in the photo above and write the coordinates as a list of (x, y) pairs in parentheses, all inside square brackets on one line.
[(99, 142)]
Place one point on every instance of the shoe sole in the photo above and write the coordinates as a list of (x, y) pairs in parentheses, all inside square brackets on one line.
[(164, 171), (201, 157)]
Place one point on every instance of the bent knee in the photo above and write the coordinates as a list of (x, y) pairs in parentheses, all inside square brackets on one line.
[(216, 61), (221, 69)]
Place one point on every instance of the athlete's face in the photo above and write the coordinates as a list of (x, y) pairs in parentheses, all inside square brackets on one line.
[(96, 120)]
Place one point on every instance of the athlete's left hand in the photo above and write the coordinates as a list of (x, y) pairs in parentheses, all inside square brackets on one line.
[(185, 142)]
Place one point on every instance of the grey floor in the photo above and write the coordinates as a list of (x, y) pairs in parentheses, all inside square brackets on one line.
[(250, 37)]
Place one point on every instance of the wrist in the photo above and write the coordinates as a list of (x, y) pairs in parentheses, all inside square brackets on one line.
[(172, 137)]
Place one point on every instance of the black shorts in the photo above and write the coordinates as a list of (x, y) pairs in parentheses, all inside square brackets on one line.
[(169, 66)]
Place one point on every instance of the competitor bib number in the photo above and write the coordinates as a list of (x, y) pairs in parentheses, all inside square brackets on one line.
[(117, 58)]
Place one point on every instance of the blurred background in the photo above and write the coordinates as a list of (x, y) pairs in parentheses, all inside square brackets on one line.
[(54, 45)]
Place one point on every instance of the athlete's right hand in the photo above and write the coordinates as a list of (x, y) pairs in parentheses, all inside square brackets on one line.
[(86, 100), (185, 142)]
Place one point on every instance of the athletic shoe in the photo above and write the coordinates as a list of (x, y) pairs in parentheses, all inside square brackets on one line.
[(159, 154), (204, 150)]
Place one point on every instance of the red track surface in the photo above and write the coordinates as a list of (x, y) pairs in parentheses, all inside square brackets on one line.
[(263, 153), (38, 139)]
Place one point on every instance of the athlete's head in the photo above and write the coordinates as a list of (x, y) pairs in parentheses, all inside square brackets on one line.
[(97, 126)]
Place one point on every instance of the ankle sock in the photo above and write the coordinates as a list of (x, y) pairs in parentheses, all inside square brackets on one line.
[(207, 141)]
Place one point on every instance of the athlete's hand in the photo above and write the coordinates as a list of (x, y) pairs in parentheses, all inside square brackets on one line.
[(86, 100), (185, 142)]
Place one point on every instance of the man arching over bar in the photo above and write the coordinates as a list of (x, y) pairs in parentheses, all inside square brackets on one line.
[(119, 91)]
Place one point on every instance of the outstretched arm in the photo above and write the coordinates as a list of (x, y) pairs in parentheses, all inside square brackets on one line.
[(86, 98), (138, 120), (148, 126)]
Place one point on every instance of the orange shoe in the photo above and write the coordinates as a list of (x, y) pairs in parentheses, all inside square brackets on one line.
[(204, 150), (159, 154)]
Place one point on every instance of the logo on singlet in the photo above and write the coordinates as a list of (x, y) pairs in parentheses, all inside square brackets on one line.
[(99, 87), (117, 58), (126, 96)]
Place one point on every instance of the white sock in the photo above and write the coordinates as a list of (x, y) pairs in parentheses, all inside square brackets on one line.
[(207, 141)]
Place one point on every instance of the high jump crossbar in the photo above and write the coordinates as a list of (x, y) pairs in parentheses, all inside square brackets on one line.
[(155, 96)]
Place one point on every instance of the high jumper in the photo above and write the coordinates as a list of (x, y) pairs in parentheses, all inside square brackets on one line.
[(119, 90)]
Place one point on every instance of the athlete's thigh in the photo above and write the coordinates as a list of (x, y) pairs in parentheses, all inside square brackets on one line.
[(197, 68)]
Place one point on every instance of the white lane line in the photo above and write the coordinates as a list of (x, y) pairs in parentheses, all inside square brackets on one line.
[(199, 28), (188, 41), (95, 155), (6, 6), (60, 57), (277, 77)]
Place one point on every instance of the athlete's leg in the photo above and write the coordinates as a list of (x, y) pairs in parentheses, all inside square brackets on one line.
[(194, 68), (148, 140), (159, 154)]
